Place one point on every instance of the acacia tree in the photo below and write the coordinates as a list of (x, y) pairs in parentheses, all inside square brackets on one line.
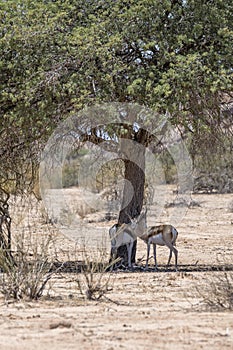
[(58, 56)]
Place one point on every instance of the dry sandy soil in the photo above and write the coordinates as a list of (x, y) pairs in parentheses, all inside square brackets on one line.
[(156, 310)]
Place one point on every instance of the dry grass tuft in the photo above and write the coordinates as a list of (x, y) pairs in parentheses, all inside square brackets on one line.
[(27, 276), (217, 293), (95, 280)]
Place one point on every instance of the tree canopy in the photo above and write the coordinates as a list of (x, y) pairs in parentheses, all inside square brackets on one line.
[(58, 56)]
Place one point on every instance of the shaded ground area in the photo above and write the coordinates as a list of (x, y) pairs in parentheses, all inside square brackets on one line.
[(76, 267)]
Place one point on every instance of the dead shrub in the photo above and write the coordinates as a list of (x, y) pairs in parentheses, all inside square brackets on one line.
[(95, 279), (217, 293), (28, 276)]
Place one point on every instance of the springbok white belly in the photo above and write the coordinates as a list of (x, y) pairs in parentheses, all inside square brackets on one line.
[(157, 239)]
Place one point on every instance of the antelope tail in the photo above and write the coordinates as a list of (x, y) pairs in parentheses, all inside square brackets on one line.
[(174, 235)]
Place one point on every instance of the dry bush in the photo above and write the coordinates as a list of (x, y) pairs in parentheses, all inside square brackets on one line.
[(214, 171), (95, 279), (28, 277), (33, 251), (217, 293)]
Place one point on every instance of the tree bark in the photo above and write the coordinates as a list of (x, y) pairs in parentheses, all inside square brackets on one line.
[(133, 151), (5, 235)]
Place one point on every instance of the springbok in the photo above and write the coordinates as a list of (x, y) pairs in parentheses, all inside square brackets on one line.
[(161, 235), (126, 234)]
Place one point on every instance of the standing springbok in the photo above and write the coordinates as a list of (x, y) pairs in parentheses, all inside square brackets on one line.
[(126, 234), (161, 235)]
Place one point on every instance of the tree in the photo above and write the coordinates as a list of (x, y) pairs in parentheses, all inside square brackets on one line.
[(58, 56)]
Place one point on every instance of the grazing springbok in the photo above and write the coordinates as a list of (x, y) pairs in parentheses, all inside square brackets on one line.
[(126, 234), (161, 235)]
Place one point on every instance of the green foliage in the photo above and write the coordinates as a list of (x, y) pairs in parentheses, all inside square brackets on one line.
[(57, 56)]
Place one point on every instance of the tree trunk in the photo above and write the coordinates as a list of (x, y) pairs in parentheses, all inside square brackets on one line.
[(5, 237), (132, 201)]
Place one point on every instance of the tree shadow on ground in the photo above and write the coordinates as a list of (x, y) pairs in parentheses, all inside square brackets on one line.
[(79, 266)]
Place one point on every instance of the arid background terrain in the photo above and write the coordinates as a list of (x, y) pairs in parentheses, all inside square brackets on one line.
[(188, 309)]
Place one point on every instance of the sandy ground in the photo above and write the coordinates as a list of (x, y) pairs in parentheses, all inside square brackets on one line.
[(156, 310)]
